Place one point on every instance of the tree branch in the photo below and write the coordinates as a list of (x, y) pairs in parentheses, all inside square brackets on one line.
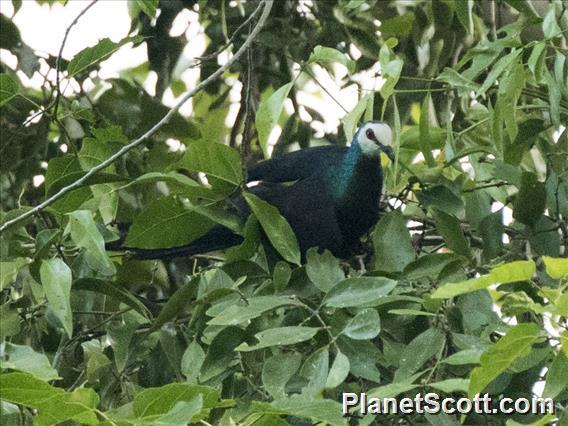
[(59, 55), (154, 129)]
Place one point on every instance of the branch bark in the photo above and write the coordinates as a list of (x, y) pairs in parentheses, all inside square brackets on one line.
[(128, 147)]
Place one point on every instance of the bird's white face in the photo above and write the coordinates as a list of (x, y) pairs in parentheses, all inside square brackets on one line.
[(372, 135)]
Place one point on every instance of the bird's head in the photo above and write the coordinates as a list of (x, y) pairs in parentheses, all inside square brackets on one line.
[(374, 137)]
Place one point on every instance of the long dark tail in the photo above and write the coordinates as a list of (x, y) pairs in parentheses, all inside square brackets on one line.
[(218, 238)]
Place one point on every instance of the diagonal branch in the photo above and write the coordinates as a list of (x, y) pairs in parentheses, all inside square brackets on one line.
[(126, 148)]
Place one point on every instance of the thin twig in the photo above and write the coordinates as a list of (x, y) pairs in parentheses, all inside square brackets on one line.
[(58, 61), (128, 147), (230, 41)]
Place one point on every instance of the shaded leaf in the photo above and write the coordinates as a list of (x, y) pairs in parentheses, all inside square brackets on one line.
[(215, 160), (324, 410), (114, 291), (91, 55), (166, 222), (251, 308), (323, 269), (419, 350), (56, 282), (84, 233), (8, 89), (363, 326), (392, 257), (359, 292), (278, 370), (277, 229), (280, 336)]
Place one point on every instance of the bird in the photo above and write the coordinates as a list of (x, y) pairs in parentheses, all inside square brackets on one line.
[(329, 195)]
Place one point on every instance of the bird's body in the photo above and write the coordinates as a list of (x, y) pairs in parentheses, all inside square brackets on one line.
[(329, 195)]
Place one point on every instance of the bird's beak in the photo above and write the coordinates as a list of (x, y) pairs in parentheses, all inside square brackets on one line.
[(387, 150)]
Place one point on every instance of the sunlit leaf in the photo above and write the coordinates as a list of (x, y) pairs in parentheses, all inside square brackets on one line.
[(268, 113), (515, 344)]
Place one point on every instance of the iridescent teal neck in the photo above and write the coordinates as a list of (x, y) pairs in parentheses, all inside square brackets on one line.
[(342, 178)]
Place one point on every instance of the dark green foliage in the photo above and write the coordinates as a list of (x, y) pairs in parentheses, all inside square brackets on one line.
[(460, 287)]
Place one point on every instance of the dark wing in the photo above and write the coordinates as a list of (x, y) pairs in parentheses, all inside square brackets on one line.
[(308, 207), (296, 165)]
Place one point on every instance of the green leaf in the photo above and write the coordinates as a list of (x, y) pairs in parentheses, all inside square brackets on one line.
[(467, 356), (323, 269), (327, 56), (85, 234), (392, 257), (399, 26), (24, 358), (178, 415), (65, 170), (457, 80), (556, 268), (521, 270), (276, 227), (442, 198), (251, 308), (557, 376), (495, 72), (176, 304), (359, 292), (221, 352), (91, 55), (339, 371), (351, 120), (158, 401), (10, 320), (463, 11), (280, 336), (277, 372), (268, 113), (530, 202), (449, 227), (9, 271), (177, 183), (413, 312), (451, 385), (419, 350), (365, 325), (549, 25), (54, 405), (56, 282), (8, 89), (497, 358), (191, 361), (166, 222), (215, 160), (319, 410), (429, 266), (114, 291), (394, 389), (149, 7), (315, 370)]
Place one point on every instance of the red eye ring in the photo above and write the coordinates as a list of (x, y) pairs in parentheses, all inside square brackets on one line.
[(370, 134)]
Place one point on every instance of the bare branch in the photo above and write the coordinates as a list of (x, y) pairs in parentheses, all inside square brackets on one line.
[(154, 129), (58, 62)]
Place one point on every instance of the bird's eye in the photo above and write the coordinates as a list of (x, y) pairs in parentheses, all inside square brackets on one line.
[(370, 134)]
